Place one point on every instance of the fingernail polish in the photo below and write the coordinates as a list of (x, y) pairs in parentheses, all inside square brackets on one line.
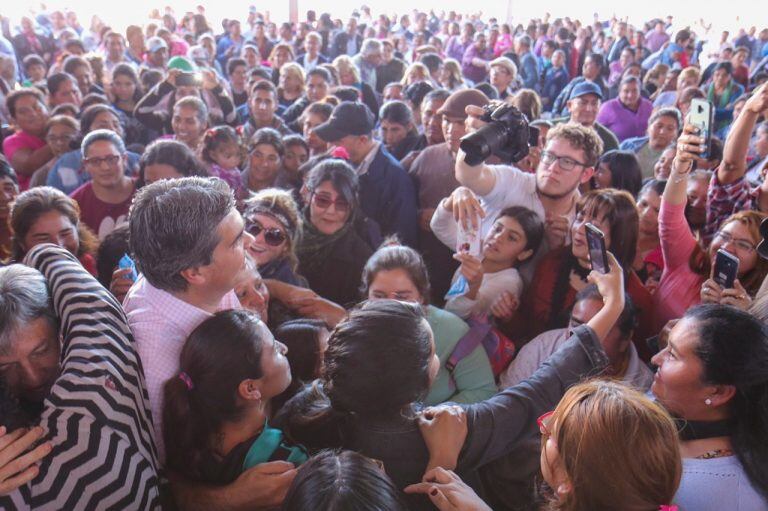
[(433, 492)]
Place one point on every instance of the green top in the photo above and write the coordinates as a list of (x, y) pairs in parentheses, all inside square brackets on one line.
[(265, 448), (647, 157), (473, 375)]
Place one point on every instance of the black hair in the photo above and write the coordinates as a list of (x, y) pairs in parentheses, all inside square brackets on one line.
[(397, 257), (346, 93), (267, 136), (56, 80), (437, 95), (94, 98), (302, 337), (150, 78), (627, 321), (232, 64), (111, 249), (488, 89), (322, 73), (725, 66), (626, 173), (342, 481), (294, 140), (416, 92), (7, 171), (530, 222), (432, 60), (733, 348), (32, 60), (14, 96), (219, 354), (341, 175), (397, 112), (90, 114), (215, 138), (169, 152), (657, 185), (125, 69)]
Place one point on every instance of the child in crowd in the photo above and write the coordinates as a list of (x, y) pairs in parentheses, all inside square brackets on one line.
[(223, 153), (216, 409), (482, 278), (296, 155)]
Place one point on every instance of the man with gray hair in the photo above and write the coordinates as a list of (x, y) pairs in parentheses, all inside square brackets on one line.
[(368, 60), (105, 199), (29, 342), (189, 244)]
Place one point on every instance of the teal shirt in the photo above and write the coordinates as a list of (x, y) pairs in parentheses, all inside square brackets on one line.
[(270, 440), (473, 375)]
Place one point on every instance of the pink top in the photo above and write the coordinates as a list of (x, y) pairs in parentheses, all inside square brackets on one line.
[(679, 287), (21, 140), (161, 323)]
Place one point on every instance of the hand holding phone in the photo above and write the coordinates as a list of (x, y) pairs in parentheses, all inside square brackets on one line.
[(702, 115), (596, 245), (726, 269)]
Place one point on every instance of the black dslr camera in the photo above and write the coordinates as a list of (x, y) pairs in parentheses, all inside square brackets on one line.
[(506, 136)]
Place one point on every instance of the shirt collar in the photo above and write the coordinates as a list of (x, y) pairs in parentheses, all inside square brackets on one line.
[(366, 163)]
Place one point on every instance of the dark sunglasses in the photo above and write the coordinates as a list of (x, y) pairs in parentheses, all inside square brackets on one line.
[(323, 202), (273, 236)]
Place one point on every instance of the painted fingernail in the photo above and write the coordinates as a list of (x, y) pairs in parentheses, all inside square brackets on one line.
[(433, 492)]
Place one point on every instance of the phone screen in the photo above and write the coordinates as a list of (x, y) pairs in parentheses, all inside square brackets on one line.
[(726, 269), (596, 245)]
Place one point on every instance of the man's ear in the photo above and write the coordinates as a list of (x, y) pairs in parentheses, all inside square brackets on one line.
[(195, 275), (587, 174)]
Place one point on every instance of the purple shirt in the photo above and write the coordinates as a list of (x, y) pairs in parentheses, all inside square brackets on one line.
[(622, 121), (471, 72), (654, 40), (455, 48)]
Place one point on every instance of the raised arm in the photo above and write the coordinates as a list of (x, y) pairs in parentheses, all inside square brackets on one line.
[(97, 415), (736, 145)]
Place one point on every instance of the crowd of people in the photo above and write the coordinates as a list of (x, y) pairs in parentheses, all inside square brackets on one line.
[(252, 266)]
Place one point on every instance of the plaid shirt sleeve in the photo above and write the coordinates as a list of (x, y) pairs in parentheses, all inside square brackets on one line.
[(723, 200)]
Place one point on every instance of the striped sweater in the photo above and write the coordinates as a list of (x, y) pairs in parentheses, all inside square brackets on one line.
[(97, 415)]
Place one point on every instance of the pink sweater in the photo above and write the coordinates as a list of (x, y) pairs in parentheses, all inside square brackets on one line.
[(679, 287)]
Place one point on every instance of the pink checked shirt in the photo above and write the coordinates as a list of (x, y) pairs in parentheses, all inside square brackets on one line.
[(161, 323)]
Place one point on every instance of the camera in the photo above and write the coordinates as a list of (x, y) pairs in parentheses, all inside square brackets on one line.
[(506, 136), (189, 79)]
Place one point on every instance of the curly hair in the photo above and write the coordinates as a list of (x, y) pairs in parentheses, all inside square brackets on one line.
[(580, 137)]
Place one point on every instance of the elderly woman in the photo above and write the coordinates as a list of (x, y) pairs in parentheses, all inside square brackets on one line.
[(663, 127), (68, 173), (291, 84), (627, 115), (349, 75), (26, 149)]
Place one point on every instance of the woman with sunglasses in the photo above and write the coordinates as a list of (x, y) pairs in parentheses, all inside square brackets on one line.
[(686, 280), (605, 447), (331, 253), (272, 218)]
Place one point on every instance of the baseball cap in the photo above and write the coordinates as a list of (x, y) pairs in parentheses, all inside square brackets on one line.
[(156, 43), (584, 88), (348, 118), (182, 64), (456, 104), (197, 53)]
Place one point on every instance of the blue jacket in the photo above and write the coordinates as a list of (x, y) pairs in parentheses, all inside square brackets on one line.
[(529, 71), (555, 80), (388, 196), (67, 174)]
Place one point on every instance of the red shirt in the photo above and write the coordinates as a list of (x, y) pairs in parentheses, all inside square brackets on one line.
[(21, 140), (100, 216)]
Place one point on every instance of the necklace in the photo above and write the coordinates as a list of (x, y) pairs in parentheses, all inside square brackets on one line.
[(716, 453)]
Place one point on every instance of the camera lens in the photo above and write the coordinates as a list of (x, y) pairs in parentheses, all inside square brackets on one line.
[(479, 145)]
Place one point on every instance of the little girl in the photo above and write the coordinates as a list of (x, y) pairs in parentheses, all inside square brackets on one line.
[(223, 153), (215, 415), (482, 278)]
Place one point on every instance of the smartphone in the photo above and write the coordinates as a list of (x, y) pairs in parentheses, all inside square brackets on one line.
[(596, 244), (702, 115), (726, 269), (188, 79), (533, 136), (468, 240)]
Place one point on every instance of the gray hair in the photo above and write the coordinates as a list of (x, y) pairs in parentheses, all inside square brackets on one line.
[(668, 111), (173, 226), (99, 135), (23, 298), (196, 103), (370, 46)]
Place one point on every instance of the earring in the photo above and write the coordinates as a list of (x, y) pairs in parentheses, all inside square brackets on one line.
[(708, 402)]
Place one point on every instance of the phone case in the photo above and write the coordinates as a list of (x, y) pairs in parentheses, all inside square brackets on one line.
[(726, 269), (467, 241), (702, 115), (596, 246)]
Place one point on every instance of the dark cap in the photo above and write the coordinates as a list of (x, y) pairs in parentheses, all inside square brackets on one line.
[(584, 88), (348, 118), (456, 104)]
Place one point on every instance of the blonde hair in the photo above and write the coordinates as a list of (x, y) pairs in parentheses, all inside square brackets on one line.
[(416, 66), (688, 72), (295, 69), (280, 205), (455, 77), (618, 448), (344, 64), (579, 137)]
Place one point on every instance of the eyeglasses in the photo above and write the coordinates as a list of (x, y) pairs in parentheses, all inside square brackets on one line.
[(564, 162), (544, 424), (96, 162), (273, 236), (324, 202), (743, 245)]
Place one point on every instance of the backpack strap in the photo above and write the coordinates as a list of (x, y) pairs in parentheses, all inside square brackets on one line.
[(478, 329)]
